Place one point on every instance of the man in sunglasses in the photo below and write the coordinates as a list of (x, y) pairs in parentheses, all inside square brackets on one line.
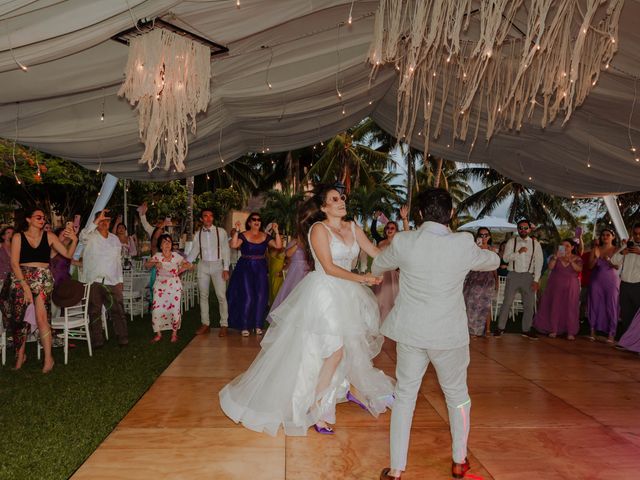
[(525, 258)]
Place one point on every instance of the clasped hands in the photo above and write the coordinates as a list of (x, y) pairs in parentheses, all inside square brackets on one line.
[(370, 280)]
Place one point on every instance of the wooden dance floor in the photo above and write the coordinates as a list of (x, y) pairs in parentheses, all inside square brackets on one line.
[(547, 409)]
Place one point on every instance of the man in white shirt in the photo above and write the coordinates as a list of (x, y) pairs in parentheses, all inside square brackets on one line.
[(628, 259), (102, 269), (525, 258), (211, 244), (429, 322)]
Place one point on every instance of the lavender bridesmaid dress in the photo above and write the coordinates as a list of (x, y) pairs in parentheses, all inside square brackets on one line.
[(298, 268), (631, 338), (248, 292), (602, 303), (559, 310)]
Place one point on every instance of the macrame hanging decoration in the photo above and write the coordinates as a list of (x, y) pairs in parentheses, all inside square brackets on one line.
[(485, 74), (167, 76)]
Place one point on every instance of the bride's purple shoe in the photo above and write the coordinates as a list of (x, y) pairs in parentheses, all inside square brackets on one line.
[(323, 430), (353, 399)]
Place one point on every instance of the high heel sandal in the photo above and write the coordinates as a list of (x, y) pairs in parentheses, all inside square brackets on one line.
[(353, 399), (47, 370), (259, 331), (323, 430), (174, 337), (157, 338), (245, 333)]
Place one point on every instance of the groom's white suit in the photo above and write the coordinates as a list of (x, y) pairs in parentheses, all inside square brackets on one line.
[(429, 324)]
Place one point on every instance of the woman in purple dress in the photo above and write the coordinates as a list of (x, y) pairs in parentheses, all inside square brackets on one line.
[(479, 288), (297, 267), (248, 292), (631, 338), (604, 287), (559, 310)]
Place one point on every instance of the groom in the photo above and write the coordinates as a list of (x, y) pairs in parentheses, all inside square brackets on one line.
[(429, 322)]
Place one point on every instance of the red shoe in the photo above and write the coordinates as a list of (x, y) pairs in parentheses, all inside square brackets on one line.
[(157, 338), (458, 470), (174, 337)]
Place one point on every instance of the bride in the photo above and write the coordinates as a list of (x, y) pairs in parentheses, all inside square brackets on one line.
[(319, 348)]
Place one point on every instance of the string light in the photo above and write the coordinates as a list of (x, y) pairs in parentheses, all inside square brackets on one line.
[(15, 141), (237, 3), (269, 86), (220, 147), (22, 66), (350, 19), (102, 111)]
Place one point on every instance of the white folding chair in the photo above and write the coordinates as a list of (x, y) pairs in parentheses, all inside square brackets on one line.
[(74, 324), (133, 299)]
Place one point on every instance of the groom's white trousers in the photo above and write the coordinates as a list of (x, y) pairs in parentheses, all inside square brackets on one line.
[(451, 367)]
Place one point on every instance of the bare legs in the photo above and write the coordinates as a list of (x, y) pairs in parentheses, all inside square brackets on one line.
[(45, 332), (327, 371)]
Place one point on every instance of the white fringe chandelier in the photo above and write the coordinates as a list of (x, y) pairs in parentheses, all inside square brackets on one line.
[(167, 76), (482, 74)]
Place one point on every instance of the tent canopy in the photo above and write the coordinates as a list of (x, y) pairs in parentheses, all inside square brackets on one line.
[(306, 51)]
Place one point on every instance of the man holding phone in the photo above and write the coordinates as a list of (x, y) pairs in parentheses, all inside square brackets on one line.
[(628, 259), (525, 258)]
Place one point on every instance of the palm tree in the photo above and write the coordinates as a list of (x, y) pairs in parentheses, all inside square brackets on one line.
[(379, 194), (541, 208), (282, 207), (351, 156)]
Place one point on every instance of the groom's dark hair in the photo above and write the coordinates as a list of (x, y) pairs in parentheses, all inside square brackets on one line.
[(435, 205)]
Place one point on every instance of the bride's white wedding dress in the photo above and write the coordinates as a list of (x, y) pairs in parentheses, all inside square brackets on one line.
[(321, 315)]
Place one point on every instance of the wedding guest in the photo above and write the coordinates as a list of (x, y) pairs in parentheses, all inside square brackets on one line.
[(5, 252), (31, 282), (248, 292), (525, 258), (153, 232), (387, 291), (167, 290), (322, 339), (296, 266), (503, 269), (211, 246), (604, 287), (631, 338), (479, 289), (129, 247), (628, 259), (102, 269), (559, 310), (275, 264), (585, 279), (59, 264)]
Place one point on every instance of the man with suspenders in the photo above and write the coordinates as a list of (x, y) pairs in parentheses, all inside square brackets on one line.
[(525, 258), (211, 245)]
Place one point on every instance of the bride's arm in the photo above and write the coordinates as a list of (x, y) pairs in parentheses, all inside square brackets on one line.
[(320, 244), (365, 244)]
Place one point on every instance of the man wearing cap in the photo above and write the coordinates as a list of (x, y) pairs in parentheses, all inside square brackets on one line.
[(102, 269), (211, 244), (525, 258)]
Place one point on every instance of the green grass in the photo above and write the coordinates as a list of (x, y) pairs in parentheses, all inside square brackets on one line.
[(51, 423)]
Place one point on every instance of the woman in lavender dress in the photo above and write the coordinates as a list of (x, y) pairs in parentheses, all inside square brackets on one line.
[(631, 338), (297, 267), (248, 292), (478, 290), (559, 310), (604, 287)]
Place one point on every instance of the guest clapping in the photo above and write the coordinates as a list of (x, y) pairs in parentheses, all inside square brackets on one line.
[(167, 289), (31, 282), (559, 310), (604, 287), (478, 290), (248, 291)]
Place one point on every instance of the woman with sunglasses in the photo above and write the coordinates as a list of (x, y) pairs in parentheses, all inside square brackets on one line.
[(31, 282), (478, 290), (604, 287), (387, 291), (248, 292), (322, 339)]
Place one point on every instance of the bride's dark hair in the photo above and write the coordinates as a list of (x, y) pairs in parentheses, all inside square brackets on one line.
[(310, 213)]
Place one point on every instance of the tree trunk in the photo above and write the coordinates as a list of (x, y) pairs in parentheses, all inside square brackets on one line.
[(436, 181), (190, 181)]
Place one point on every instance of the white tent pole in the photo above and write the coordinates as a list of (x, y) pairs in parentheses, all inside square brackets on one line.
[(611, 202)]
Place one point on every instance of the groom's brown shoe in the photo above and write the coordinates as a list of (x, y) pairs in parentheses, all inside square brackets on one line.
[(203, 329), (384, 475), (222, 332), (459, 469)]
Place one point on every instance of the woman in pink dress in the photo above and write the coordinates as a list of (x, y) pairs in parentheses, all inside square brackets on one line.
[(167, 289), (559, 310), (387, 291)]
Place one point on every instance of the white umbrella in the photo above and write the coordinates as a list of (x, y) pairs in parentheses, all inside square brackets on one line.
[(495, 224)]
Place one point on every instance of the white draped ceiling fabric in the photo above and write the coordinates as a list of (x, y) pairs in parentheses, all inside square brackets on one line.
[(296, 73)]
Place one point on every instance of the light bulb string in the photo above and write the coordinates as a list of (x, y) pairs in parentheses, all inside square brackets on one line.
[(13, 56), (633, 106)]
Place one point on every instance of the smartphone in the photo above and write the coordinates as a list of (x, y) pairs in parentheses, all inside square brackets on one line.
[(561, 251), (76, 222)]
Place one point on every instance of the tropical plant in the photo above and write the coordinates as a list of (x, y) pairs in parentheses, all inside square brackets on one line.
[(380, 194), (282, 207), (541, 208)]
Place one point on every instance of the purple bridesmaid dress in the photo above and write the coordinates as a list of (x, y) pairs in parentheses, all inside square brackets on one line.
[(602, 303), (298, 268), (631, 338), (248, 292), (559, 310)]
